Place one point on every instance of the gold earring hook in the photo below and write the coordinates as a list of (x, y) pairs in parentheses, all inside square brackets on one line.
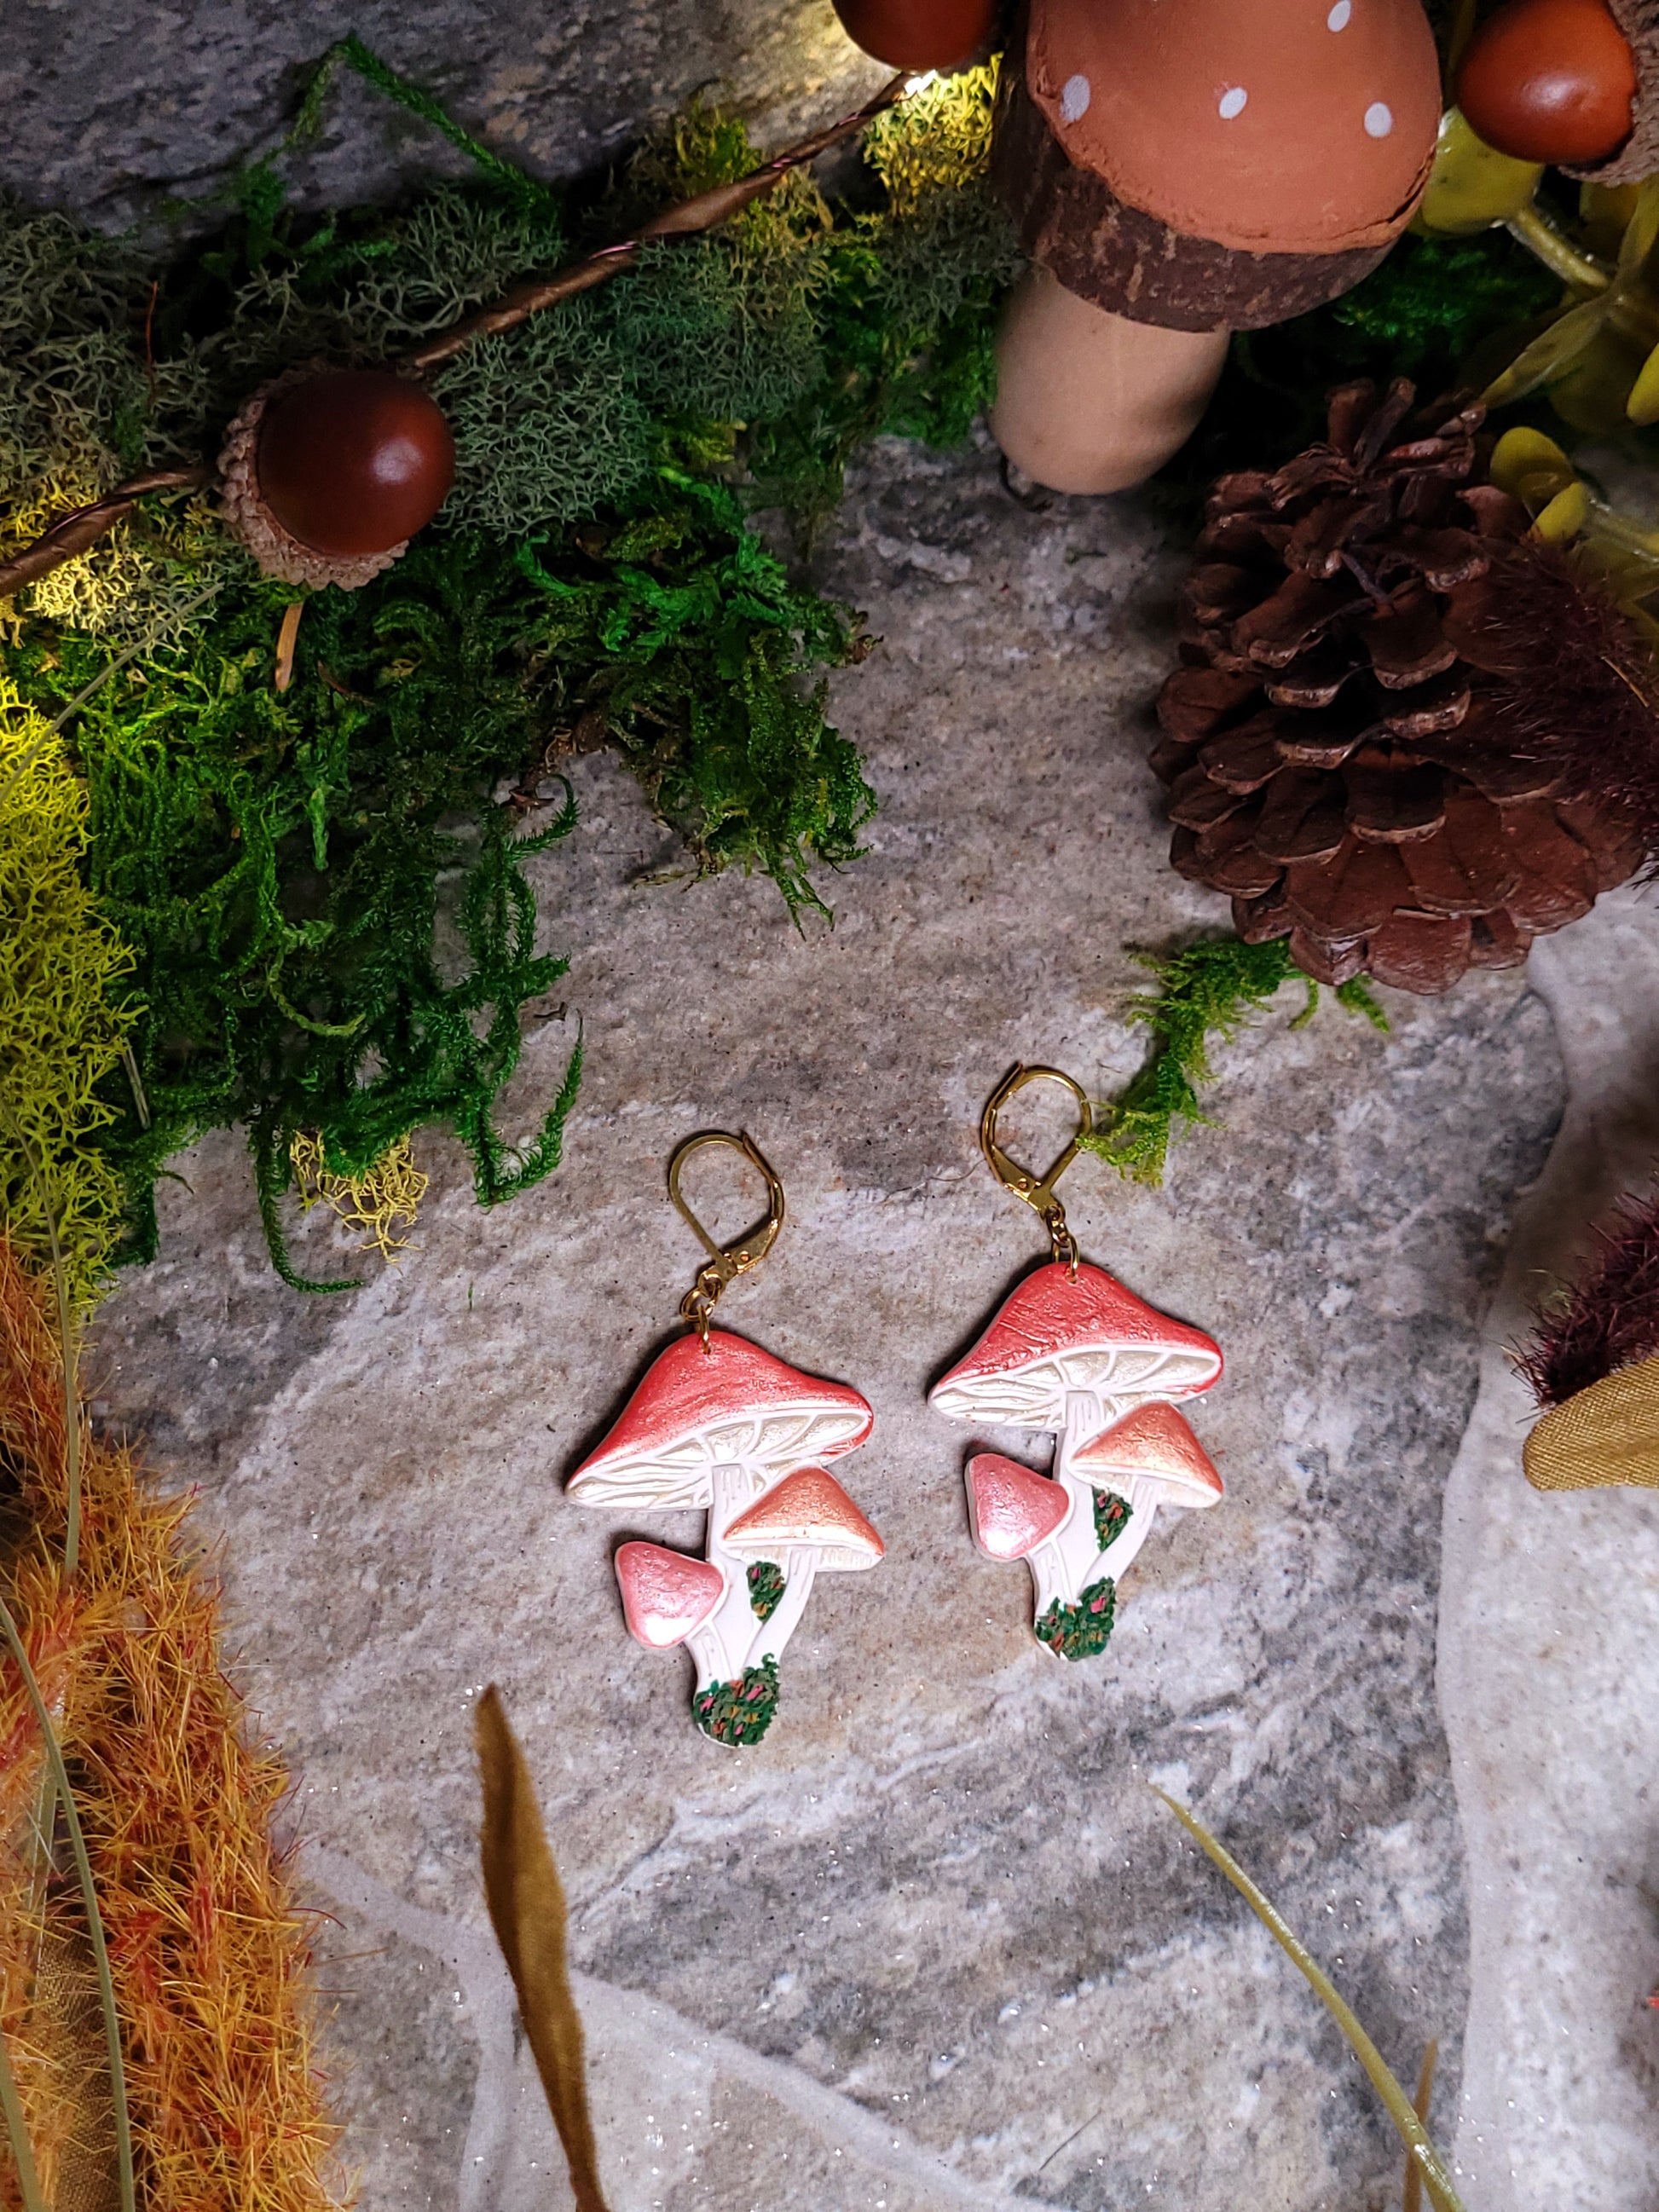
[(1037, 1191), (745, 1252)]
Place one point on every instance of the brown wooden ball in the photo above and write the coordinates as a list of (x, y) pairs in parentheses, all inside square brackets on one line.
[(1549, 80), (355, 460), (918, 34)]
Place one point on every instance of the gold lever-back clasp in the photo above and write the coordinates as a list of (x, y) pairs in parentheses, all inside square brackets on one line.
[(1037, 1191), (725, 1260)]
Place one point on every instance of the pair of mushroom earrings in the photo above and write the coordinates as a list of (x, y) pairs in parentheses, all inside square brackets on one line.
[(718, 1425)]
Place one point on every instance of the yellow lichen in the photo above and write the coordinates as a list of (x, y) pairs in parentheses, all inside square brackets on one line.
[(384, 1198)]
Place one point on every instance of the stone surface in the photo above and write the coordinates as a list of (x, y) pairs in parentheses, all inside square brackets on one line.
[(1547, 1644), (119, 108), (934, 1941)]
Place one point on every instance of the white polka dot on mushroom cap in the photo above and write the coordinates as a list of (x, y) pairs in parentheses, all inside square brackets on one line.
[(1074, 97), (1231, 102), (1341, 16), (1379, 119)]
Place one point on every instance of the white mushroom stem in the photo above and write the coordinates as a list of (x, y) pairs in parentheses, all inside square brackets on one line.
[(720, 1645), (1074, 1542), (1141, 1498), (799, 1564)]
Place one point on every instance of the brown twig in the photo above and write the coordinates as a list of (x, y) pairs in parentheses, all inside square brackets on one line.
[(706, 212), (83, 526), (287, 638)]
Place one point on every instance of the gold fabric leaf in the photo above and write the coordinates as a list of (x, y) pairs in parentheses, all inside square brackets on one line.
[(526, 1908), (1605, 1434)]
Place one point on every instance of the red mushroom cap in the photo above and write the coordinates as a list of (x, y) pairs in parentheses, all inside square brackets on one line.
[(807, 1507), (1283, 126), (1155, 1444), (1011, 1508), (1053, 1335), (665, 1594), (693, 1411)]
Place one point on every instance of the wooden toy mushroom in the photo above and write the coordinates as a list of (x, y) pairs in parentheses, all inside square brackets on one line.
[(713, 1430), (1179, 170), (1072, 1356), (806, 1526)]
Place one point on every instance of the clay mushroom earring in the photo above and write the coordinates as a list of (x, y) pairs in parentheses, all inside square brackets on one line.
[(1179, 170), (718, 1425), (1074, 1355), (919, 34)]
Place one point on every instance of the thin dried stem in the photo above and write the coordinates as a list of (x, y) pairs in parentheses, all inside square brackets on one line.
[(18, 2134), (117, 2074), (706, 212), (1427, 2160)]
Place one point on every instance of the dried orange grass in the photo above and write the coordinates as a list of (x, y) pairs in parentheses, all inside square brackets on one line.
[(209, 1951)]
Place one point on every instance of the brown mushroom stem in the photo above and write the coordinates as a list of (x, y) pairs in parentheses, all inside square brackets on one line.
[(705, 212), (83, 526), (1088, 401)]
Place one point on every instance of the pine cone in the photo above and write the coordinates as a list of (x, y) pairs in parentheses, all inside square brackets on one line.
[(1351, 747)]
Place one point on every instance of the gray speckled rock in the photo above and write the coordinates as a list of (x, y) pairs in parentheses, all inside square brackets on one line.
[(116, 108), (934, 1941)]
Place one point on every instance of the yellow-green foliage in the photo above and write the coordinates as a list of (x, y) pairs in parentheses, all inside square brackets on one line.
[(59, 1035)]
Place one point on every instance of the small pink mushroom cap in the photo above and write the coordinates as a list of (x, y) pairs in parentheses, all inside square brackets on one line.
[(1053, 1335), (806, 1509), (1011, 1507), (1154, 1447), (666, 1594), (733, 1406)]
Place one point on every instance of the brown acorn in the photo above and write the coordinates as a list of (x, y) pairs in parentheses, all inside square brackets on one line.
[(1549, 81), (327, 473), (919, 34), (1406, 736)]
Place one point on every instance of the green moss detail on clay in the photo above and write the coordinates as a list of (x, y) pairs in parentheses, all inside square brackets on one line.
[(1112, 1516), (765, 1587), (1083, 1630), (741, 1711)]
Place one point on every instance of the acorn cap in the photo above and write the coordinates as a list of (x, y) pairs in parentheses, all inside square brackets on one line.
[(806, 1509), (1258, 164), (1053, 1335), (1604, 1434), (1011, 1508), (1154, 1447), (665, 1595), (734, 1405), (1639, 156), (248, 515)]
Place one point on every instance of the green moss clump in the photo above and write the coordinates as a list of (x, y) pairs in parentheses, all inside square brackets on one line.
[(1112, 1516), (765, 1587), (739, 1712), (1209, 989), (1083, 1630), (60, 1037)]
